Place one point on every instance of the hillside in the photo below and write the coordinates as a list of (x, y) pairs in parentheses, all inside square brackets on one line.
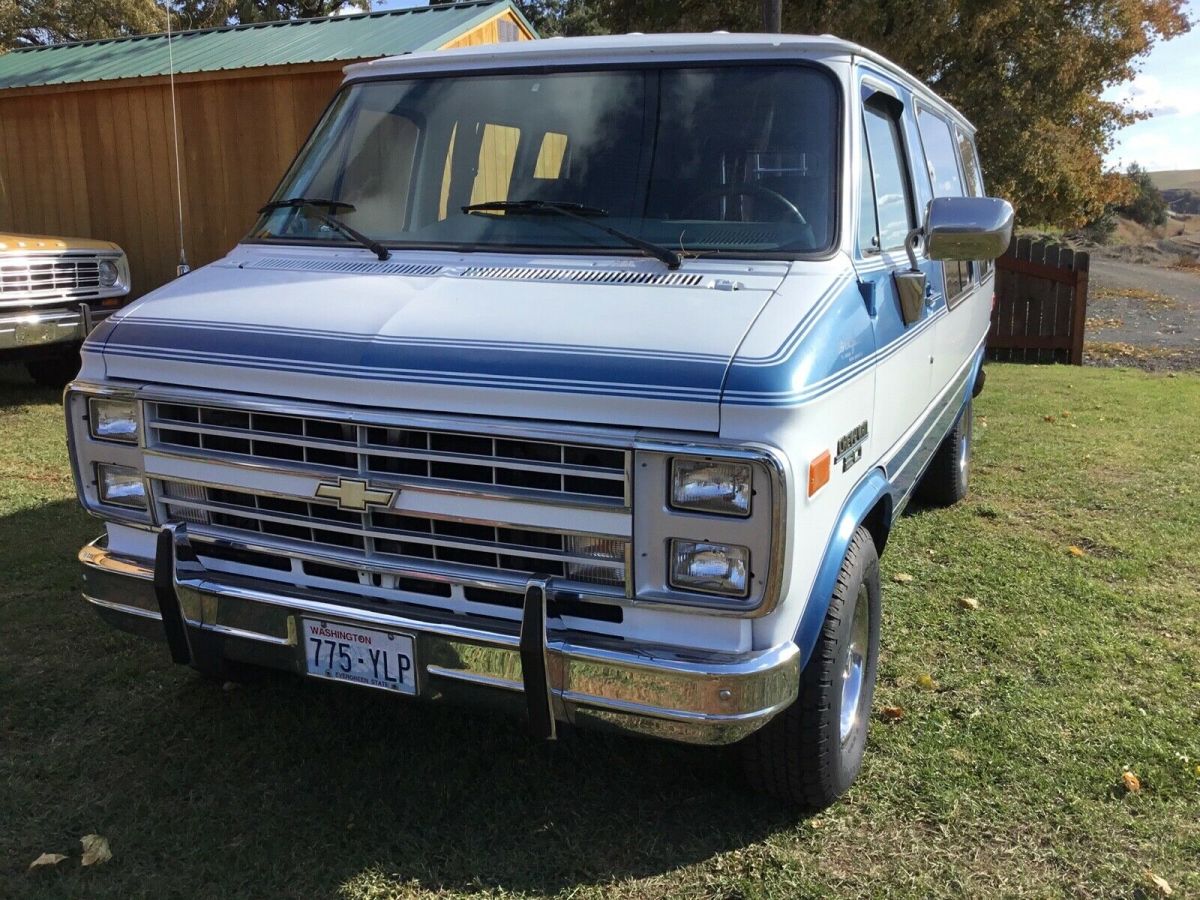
[(1186, 179)]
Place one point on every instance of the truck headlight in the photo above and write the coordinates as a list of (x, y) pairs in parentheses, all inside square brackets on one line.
[(111, 419), (109, 274), (121, 486), (703, 485), (710, 568)]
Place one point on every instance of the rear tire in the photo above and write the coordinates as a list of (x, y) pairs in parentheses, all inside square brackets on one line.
[(54, 371), (947, 479), (810, 753)]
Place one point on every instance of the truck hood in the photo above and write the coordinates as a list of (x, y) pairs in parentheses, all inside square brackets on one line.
[(623, 343)]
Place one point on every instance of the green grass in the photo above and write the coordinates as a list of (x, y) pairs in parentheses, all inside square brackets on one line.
[(1005, 780)]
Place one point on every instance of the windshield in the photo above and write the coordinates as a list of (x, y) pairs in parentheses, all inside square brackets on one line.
[(715, 160)]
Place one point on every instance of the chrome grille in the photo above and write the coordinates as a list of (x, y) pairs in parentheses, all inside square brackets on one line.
[(570, 473), (396, 538), (54, 275)]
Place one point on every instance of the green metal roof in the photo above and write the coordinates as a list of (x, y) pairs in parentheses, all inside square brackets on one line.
[(361, 36)]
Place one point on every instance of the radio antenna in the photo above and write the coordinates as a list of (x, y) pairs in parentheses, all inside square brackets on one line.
[(183, 268)]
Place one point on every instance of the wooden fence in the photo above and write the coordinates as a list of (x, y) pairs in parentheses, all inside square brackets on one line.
[(1041, 304)]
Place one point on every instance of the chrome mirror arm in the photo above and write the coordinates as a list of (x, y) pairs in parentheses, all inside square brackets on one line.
[(914, 241)]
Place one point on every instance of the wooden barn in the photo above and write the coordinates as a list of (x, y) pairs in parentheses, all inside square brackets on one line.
[(85, 128)]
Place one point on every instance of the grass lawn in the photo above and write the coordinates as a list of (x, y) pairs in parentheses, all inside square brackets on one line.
[(1003, 776)]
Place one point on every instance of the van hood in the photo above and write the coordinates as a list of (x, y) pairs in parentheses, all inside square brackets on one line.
[(554, 339)]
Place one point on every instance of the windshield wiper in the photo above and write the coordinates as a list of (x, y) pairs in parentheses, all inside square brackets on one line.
[(579, 212), (315, 203)]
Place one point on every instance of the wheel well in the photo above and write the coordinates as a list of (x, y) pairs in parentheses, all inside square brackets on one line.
[(879, 522)]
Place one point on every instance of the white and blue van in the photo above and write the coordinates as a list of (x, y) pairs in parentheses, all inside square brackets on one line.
[(584, 375)]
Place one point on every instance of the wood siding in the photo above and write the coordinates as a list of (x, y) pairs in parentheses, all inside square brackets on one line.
[(489, 32), (100, 163), (96, 160)]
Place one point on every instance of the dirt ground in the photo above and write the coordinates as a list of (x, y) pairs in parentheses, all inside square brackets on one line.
[(1144, 299)]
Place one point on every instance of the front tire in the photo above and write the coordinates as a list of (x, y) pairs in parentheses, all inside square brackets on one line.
[(810, 753), (947, 479)]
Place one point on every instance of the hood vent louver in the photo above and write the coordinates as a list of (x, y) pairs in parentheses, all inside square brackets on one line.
[(344, 266), (492, 273), (581, 276)]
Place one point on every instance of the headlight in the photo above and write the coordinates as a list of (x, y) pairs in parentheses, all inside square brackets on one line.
[(113, 420), (121, 486), (109, 274), (710, 568), (702, 485)]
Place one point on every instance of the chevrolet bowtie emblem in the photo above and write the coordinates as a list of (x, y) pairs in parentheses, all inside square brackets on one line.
[(354, 495)]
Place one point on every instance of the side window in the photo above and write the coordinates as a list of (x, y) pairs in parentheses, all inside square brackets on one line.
[(970, 165), (974, 178), (893, 199), (868, 225), (942, 157)]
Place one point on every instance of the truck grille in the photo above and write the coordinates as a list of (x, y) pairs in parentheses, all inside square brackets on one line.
[(525, 469), (377, 543), (396, 537), (52, 275)]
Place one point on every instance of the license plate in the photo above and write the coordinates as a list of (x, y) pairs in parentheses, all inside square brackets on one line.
[(378, 659), (36, 332)]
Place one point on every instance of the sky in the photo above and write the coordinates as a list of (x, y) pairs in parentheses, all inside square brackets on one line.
[(1168, 87)]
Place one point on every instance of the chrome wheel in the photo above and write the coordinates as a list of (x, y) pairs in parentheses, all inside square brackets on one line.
[(856, 663)]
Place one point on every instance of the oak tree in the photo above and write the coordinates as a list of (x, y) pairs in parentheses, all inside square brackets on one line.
[(1029, 73)]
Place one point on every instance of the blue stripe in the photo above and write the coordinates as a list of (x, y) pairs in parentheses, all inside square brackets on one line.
[(831, 344)]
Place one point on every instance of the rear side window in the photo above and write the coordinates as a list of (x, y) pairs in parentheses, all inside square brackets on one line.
[(974, 179), (970, 163), (889, 178), (943, 156)]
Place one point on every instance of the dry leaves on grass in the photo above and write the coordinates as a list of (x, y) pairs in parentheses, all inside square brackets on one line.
[(902, 578), (1132, 783), (95, 850), (892, 713), (47, 859), (968, 603), (1161, 886), (1076, 551)]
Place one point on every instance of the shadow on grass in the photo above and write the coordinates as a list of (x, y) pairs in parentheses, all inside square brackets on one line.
[(286, 787), (17, 388)]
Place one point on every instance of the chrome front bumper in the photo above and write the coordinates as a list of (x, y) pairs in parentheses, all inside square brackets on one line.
[(692, 697), (34, 328)]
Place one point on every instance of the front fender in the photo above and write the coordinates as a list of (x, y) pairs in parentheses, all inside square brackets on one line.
[(873, 488)]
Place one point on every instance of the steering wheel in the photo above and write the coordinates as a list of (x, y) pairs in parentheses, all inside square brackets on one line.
[(746, 189)]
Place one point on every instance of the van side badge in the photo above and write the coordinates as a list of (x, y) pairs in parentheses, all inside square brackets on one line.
[(850, 446)]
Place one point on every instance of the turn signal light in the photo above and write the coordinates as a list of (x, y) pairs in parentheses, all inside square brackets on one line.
[(818, 473)]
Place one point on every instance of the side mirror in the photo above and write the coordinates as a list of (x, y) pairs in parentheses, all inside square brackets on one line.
[(968, 227)]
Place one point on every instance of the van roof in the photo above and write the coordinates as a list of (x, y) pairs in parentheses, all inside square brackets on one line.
[(631, 48)]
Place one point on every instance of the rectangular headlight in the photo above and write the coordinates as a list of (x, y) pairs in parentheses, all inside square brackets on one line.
[(710, 568), (121, 486), (703, 485), (110, 419)]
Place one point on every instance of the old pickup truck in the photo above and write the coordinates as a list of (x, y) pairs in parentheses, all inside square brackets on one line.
[(588, 376), (52, 291)]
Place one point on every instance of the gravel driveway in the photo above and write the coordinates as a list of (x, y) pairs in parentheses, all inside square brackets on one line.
[(1142, 315)]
